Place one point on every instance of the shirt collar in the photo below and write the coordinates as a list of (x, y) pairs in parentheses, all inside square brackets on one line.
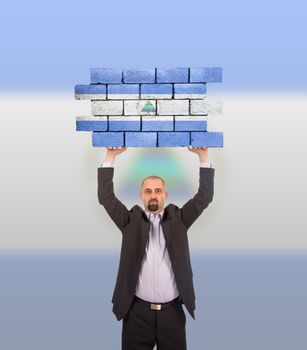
[(160, 214)]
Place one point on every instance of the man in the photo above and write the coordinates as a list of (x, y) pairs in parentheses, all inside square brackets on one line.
[(155, 275)]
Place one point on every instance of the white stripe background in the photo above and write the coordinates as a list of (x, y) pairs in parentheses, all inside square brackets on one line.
[(48, 177)]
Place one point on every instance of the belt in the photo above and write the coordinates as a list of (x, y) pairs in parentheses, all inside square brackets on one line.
[(156, 306)]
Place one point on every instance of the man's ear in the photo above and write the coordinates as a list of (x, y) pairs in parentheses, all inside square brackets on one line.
[(166, 194)]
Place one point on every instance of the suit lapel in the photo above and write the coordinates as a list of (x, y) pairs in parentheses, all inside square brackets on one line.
[(166, 226)]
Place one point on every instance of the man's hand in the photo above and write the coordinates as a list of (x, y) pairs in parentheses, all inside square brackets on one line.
[(203, 153), (112, 152)]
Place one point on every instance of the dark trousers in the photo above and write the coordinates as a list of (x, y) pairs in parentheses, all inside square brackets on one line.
[(143, 328)]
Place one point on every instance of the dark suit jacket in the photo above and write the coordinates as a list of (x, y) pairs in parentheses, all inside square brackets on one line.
[(134, 226)]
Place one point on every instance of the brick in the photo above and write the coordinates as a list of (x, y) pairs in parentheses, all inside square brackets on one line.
[(136, 107), (123, 91), (206, 75), (156, 91), (190, 123), (172, 107), (107, 139), (207, 139), (107, 107), (192, 91), (173, 139), (106, 75), (125, 123), (90, 92), (154, 123), (91, 123), (141, 139), (90, 97), (206, 107), (139, 75), (173, 75)]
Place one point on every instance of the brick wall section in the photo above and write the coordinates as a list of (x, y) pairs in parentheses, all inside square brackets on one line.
[(155, 107)]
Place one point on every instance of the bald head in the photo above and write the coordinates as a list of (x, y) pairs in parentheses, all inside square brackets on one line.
[(153, 177)]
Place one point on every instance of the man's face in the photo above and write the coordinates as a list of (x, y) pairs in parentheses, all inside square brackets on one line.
[(153, 195)]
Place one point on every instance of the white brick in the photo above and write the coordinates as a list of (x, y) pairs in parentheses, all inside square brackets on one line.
[(107, 107), (206, 107), (173, 107), (135, 107), (157, 96), (90, 96), (189, 96), (123, 96)]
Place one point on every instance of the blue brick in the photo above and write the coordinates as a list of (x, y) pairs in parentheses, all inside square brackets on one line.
[(107, 139), (141, 139), (156, 89), (190, 125), (173, 139), (123, 89), (190, 89), (124, 124), (139, 75), (90, 89), (206, 75), (91, 125), (157, 124), (106, 75), (207, 139), (173, 75)]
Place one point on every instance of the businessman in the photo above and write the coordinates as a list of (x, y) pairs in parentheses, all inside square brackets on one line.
[(155, 276)]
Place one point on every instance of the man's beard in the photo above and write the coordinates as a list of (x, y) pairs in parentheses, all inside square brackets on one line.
[(153, 205)]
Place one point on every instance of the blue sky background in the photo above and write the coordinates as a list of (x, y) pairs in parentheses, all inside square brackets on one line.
[(52, 45)]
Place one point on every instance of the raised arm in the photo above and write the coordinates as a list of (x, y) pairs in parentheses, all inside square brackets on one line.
[(195, 206), (114, 207)]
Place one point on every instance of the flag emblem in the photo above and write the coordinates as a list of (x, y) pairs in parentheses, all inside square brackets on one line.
[(148, 107)]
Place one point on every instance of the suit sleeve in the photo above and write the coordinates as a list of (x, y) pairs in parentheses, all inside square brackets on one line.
[(195, 206), (106, 197)]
